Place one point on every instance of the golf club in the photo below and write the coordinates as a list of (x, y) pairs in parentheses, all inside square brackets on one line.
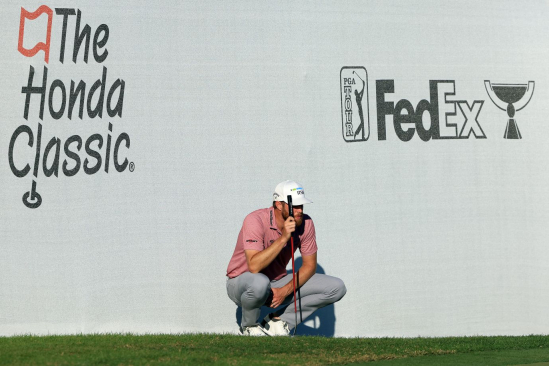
[(358, 76), (291, 212)]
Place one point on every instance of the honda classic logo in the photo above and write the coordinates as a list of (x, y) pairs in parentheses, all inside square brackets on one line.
[(65, 99), (449, 116)]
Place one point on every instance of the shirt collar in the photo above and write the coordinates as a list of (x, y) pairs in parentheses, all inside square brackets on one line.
[(272, 219)]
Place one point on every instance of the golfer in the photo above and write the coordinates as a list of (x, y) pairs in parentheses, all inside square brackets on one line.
[(256, 275), (358, 97)]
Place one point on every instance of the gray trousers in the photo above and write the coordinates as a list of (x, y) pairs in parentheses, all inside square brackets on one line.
[(251, 290)]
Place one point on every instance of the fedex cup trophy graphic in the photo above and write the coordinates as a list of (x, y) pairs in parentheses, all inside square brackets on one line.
[(512, 98)]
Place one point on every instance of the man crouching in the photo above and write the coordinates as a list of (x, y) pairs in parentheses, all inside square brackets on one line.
[(257, 270)]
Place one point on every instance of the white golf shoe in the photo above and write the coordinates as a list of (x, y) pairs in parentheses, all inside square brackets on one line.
[(275, 327), (253, 331)]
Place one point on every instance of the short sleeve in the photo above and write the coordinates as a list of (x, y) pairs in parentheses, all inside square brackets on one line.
[(252, 233), (308, 240)]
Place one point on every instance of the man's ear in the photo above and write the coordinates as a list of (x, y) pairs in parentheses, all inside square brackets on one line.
[(278, 205)]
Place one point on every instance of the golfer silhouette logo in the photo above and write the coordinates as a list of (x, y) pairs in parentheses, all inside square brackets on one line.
[(358, 97), (354, 104)]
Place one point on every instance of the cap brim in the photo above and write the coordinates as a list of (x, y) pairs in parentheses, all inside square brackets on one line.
[(300, 201)]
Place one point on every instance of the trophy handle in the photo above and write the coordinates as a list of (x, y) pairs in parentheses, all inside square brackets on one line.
[(501, 105), (526, 98)]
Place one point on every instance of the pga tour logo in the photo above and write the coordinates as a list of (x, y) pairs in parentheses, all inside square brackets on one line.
[(448, 117), (354, 103)]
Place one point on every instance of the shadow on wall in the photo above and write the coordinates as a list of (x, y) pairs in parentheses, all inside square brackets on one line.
[(321, 323)]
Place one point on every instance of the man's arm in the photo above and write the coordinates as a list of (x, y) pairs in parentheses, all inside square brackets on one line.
[(307, 270), (260, 259)]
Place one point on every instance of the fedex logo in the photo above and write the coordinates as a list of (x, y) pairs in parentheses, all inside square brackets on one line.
[(81, 36), (450, 118)]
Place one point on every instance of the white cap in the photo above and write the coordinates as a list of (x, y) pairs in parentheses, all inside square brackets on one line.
[(290, 188)]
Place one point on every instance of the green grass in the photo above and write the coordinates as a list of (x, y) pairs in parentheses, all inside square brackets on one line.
[(127, 349)]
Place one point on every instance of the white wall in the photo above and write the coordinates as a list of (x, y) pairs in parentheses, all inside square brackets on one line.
[(222, 101)]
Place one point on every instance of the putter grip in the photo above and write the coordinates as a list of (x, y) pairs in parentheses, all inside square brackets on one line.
[(290, 206)]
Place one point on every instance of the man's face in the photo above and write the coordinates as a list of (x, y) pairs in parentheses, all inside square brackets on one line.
[(298, 213)]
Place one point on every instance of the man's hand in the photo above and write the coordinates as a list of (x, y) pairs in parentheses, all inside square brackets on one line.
[(289, 228), (279, 294), (307, 270), (257, 260)]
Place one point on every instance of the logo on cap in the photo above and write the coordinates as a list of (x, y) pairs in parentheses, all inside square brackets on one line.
[(299, 191)]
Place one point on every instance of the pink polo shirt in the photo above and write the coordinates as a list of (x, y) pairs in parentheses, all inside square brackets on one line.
[(258, 232)]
